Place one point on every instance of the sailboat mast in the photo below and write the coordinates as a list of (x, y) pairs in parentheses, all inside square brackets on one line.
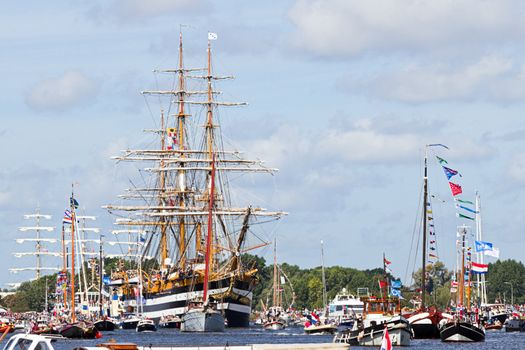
[(162, 185), (210, 233), (482, 288), (323, 275), (64, 262), (100, 275), (73, 224), (181, 175), (275, 273), (462, 273), (38, 246), (424, 223)]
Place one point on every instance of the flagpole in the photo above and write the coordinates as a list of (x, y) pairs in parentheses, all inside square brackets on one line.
[(73, 221)]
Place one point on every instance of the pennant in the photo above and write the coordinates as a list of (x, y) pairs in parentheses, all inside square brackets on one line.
[(212, 36), (493, 253), (454, 284), (450, 172), (479, 268), (386, 261), (482, 246), (67, 217), (463, 201), (456, 189), (461, 216), (441, 160), (466, 208), (433, 256), (388, 270)]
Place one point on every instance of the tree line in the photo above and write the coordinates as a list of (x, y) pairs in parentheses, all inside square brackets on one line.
[(505, 282)]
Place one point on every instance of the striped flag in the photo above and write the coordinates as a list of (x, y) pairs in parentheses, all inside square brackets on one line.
[(67, 217), (479, 268)]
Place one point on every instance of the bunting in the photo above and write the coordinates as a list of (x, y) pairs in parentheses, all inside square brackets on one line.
[(441, 160), (463, 201), (461, 216), (456, 189), (450, 172), (466, 208)]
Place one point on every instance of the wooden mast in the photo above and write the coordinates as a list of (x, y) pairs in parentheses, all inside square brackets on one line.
[(162, 185), (209, 239), (73, 222), (180, 139), (424, 223), (274, 299), (64, 266)]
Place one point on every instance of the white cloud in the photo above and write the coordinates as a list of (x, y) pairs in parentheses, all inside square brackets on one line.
[(60, 93), (346, 27), (492, 78)]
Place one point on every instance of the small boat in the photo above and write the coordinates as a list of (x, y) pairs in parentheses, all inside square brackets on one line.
[(29, 342), (320, 329), (344, 308), (514, 325), (130, 322), (105, 324), (275, 325), (493, 326), (146, 325), (170, 321), (461, 331), (71, 331), (202, 319)]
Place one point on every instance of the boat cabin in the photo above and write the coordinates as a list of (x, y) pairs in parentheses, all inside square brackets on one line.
[(28, 342), (381, 306)]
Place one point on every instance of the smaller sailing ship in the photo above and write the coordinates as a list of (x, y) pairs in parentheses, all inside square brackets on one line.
[(315, 325), (275, 315), (465, 326)]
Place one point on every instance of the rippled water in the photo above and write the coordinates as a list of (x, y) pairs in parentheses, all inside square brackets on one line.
[(494, 339)]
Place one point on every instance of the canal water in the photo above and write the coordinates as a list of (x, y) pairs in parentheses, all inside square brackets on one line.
[(494, 339)]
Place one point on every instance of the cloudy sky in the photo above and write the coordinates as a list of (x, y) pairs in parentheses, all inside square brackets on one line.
[(343, 95)]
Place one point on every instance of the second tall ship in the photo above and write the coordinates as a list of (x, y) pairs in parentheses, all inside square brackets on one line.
[(184, 202)]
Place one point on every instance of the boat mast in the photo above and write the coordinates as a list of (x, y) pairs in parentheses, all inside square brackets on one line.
[(210, 233), (482, 288), (274, 301), (461, 282), (100, 275), (162, 185), (323, 277), (73, 224), (424, 223), (181, 119), (64, 262)]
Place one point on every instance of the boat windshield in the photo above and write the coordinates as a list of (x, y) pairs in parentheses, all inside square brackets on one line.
[(18, 344)]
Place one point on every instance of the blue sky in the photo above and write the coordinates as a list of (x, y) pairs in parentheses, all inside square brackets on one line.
[(343, 95)]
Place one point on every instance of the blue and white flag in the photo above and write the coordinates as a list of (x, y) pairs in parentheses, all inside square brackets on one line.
[(396, 284), (482, 246), (395, 292)]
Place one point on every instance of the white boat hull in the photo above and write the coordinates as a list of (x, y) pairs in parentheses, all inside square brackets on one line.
[(200, 320)]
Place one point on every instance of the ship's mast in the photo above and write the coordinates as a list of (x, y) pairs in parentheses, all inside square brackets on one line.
[(482, 288), (275, 278), (73, 226), (38, 239), (424, 223), (209, 239)]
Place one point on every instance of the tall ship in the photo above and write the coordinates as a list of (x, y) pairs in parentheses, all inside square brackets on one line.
[(184, 201), (40, 237)]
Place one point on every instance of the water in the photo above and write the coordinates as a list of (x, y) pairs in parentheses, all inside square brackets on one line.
[(494, 339)]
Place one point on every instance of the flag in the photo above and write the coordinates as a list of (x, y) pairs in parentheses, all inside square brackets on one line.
[(395, 292), (106, 280), (172, 132), (386, 261), (479, 268), (67, 217), (450, 172), (493, 253), (463, 201), (433, 256), (466, 208), (388, 270), (481, 246), (382, 284), (386, 344), (212, 36), (73, 202), (441, 160), (454, 284), (461, 216), (396, 284), (456, 189)]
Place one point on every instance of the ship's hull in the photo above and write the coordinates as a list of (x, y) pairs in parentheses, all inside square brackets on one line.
[(424, 324), (236, 304), (105, 325), (399, 330), (461, 332), (200, 320)]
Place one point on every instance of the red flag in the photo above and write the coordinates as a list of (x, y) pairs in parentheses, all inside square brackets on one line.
[(383, 284), (456, 189), (387, 262)]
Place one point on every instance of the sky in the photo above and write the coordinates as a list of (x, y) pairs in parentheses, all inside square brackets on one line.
[(342, 98)]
